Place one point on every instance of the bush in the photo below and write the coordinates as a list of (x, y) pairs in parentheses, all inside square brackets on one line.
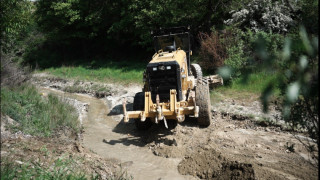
[(223, 48), (11, 73), (213, 50), (237, 50), (272, 42), (236, 59)]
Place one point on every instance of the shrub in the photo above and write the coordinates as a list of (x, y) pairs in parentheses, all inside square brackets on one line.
[(213, 50), (238, 49), (11, 73), (236, 59), (272, 42), (223, 48)]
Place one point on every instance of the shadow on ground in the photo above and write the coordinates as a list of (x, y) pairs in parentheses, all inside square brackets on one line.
[(118, 109), (142, 138)]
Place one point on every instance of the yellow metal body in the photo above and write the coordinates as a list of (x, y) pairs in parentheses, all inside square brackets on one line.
[(173, 109), (170, 110), (181, 58)]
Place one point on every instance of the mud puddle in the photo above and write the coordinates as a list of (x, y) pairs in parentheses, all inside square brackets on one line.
[(112, 139)]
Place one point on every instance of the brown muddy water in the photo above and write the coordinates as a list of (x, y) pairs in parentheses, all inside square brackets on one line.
[(111, 139)]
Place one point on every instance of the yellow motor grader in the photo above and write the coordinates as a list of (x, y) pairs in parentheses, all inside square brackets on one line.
[(173, 88)]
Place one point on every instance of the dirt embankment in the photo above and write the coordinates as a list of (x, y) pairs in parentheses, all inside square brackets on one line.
[(237, 145)]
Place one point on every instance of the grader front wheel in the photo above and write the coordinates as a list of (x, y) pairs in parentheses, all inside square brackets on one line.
[(203, 101), (138, 105)]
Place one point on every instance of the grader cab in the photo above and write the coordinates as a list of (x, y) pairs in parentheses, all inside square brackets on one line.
[(173, 88)]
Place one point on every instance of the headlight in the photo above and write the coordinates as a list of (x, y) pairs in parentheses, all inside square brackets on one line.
[(154, 69), (168, 67)]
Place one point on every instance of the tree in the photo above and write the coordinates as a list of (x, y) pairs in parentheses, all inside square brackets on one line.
[(310, 15), (123, 23), (16, 15), (263, 15)]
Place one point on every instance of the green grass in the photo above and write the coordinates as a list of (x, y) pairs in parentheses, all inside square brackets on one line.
[(123, 72), (37, 115), (64, 167), (256, 82), (60, 169), (242, 88)]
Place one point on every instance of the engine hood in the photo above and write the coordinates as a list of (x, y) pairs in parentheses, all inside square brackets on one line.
[(179, 56)]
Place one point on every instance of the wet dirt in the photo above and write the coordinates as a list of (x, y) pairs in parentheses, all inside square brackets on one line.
[(209, 164), (234, 146), (237, 149), (111, 139)]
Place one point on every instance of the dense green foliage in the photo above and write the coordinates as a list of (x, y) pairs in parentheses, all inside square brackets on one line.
[(295, 68), (16, 15), (236, 49), (63, 31), (124, 21), (36, 115), (298, 81), (93, 29), (310, 15)]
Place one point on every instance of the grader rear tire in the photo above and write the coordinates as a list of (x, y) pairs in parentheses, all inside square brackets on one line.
[(196, 71), (203, 101), (138, 105)]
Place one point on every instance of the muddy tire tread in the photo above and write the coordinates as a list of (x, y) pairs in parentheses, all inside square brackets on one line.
[(203, 101), (138, 105), (196, 71)]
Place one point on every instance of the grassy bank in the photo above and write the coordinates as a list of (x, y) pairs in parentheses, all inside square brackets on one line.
[(60, 169), (36, 115), (241, 88), (123, 72), (41, 160)]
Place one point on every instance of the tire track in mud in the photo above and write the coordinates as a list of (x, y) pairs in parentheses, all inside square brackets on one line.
[(111, 139)]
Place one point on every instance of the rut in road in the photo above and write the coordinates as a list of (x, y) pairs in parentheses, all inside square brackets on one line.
[(111, 139)]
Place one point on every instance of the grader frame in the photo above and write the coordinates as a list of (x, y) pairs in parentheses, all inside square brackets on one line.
[(171, 110)]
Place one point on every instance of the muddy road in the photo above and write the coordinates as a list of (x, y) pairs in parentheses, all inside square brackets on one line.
[(232, 147), (111, 139)]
